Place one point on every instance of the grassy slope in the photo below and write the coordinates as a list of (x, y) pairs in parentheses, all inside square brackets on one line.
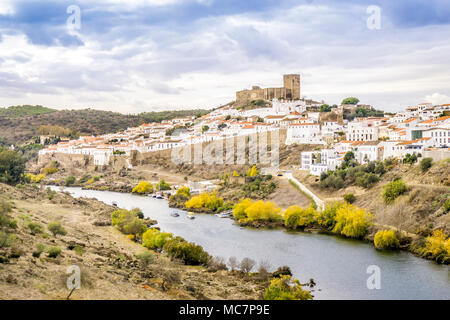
[(108, 264)]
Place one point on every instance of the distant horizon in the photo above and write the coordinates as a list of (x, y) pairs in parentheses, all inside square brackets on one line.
[(158, 55)]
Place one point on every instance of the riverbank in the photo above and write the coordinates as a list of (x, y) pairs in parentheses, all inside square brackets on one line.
[(337, 264), (107, 259)]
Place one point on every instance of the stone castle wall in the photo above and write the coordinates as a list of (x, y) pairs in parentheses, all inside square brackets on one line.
[(290, 91)]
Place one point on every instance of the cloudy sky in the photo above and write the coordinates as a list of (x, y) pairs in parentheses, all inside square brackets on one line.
[(142, 55)]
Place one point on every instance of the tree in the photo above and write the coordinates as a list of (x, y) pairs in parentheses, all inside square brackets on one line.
[(233, 263), (163, 185), (143, 187), (185, 191), (263, 211), (204, 129), (239, 209), (252, 171), (426, 164), (350, 198), (247, 265), (12, 166), (351, 100), (325, 108), (352, 221), (286, 288), (56, 228)]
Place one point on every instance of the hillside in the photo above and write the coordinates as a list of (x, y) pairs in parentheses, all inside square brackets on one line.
[(23, 111), (107, 259), (20, 124)]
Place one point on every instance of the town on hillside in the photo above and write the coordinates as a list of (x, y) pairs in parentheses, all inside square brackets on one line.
[(422, 130)]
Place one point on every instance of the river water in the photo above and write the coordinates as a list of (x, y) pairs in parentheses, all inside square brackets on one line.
[(338, 266)]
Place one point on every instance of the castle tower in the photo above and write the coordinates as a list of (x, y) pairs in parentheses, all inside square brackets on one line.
[(292, 86)]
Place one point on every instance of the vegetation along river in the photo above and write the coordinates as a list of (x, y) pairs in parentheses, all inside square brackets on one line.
[(337, 265)]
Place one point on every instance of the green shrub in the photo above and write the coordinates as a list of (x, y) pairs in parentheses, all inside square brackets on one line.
[(446, 205), (35, 227), (56, 228), (70, 180), (426, 164), (53, 252), (146, 258), (286, 288), (39, 249), (367, 180), (350, 198), (155, 239), (7, 239), (385, 239), (128, 222), (189, 253), (393, 190)]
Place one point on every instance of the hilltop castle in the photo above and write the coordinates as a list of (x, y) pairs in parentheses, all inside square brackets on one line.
[(289, 91)]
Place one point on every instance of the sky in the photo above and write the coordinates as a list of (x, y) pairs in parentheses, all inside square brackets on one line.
[(136, 56)]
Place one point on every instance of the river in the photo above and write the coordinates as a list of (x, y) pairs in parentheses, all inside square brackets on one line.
[(337, 265)]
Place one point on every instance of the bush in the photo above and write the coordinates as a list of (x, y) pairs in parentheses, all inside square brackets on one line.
[(247, 265), (163, 185), (143, 187), (12, 166), (263, 211), (189, 253), (39, 249), (385, 239), (367, 180), (128, 222), (206, 201), (393, 190), (53, 252), (446, 205), (7, 239), (35, 227), (426, 164), (154, 239), (282, 271), (352, 221), (239, 209), (295, 216), (286, 288), (184, 191), (146, 258), (327, 218), (56, 228), (70, 180), (349, 198), (437, 247)]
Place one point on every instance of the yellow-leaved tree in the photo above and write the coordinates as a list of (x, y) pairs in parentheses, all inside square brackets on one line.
[(352, 221), (286, 288), (437, 246), (235, 174), (296, 216), (265, 211), (239, 209), (252, 172), (143, 187)]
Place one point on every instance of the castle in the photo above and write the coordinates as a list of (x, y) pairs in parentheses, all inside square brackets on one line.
[(289, 91)]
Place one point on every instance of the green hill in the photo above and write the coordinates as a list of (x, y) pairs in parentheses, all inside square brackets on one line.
[(23, 111), (19, 124)]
